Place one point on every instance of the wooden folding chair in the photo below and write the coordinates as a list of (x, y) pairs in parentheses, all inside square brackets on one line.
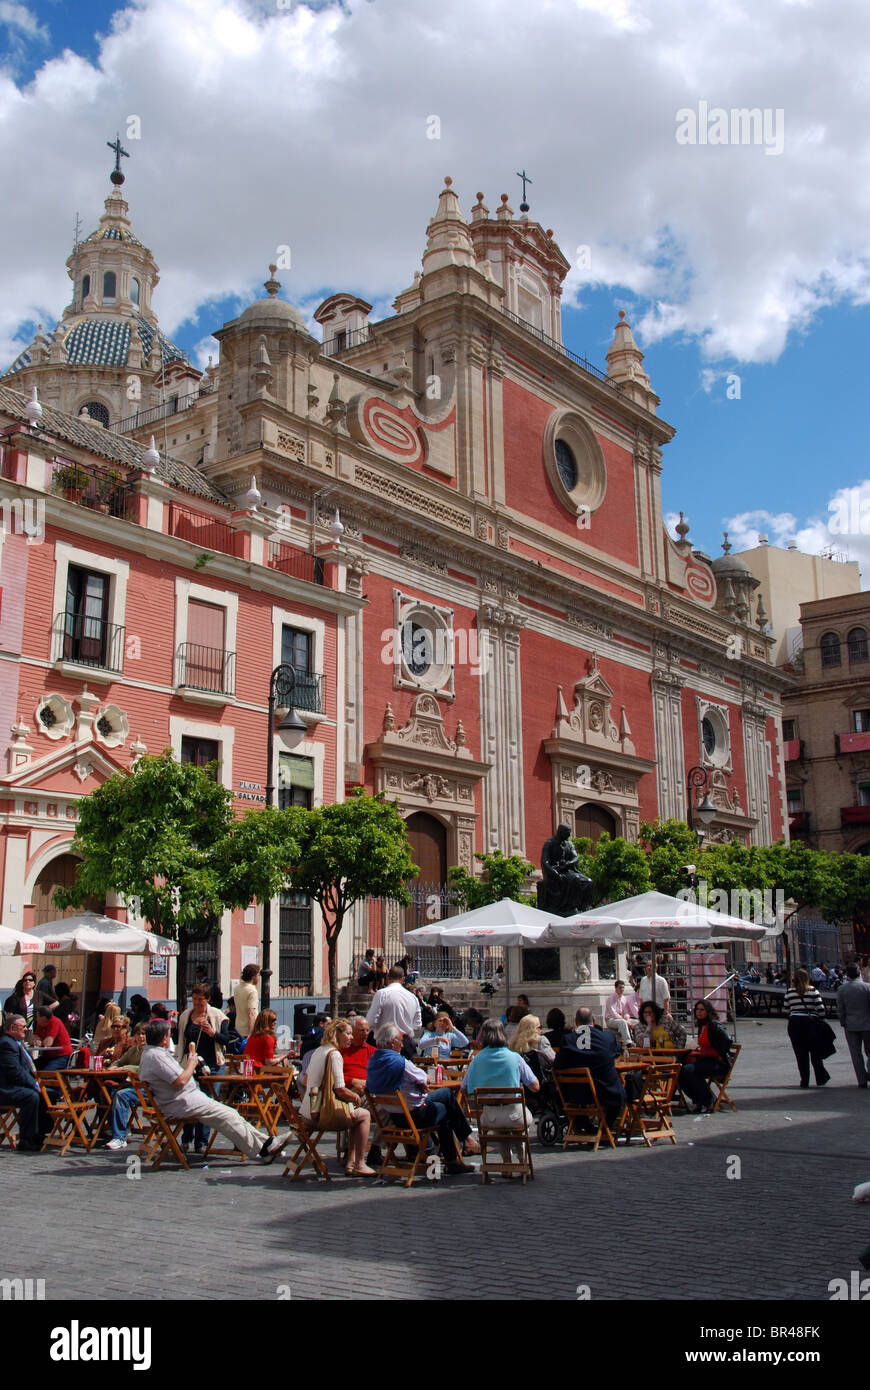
[(662, 1058), (160, 1133), (397, 1127), (515, 1135), (720, 1082), (306, 1148), (68, 1114), (588, 1110), (8, 1122), (660, 1082)]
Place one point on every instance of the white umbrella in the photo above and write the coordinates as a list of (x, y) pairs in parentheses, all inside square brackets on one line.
[(90, 932), (10, 941), (505, 923)]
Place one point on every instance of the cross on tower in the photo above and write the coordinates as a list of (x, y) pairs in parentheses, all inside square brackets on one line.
[(117, 175), (524, 207)]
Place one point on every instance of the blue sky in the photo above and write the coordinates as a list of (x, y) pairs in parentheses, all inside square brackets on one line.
[(266, 122)]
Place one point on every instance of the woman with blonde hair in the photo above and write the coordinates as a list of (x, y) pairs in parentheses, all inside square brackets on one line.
[(319, 1083), (529, 1038), (103, 1030), (804, 1005)]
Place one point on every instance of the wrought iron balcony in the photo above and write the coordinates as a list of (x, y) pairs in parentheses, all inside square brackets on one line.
[(87, 641), (296, 563), (308, 693), (205, 668), (101, 489)]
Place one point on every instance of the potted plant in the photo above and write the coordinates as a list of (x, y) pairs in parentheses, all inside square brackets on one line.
[(69, 480), (108, 484)]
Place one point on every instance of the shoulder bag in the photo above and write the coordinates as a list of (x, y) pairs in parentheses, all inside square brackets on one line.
[(331, 1113)]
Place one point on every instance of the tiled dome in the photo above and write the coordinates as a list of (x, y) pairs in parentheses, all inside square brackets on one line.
[(100, 341)]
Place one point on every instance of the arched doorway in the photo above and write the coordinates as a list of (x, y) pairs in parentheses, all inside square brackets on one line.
[(591, 821), (428, 837), (81, 971)]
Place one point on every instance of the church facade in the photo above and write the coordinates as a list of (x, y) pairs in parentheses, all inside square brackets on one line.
[(516, 641)]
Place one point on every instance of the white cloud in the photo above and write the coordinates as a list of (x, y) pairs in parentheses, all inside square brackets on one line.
[(20, 20), (307, 127), (843, 532)]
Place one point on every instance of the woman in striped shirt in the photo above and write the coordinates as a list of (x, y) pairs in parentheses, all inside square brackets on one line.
[(804, 1006)]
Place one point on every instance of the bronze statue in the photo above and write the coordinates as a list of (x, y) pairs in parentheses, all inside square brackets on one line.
[(564, 889)]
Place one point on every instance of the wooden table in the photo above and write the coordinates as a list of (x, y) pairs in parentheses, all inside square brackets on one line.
[(632, 1126), (265, 1104), (70, 1116)]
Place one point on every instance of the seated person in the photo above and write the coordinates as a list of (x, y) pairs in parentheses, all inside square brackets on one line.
[(529, 1038), (620, 1011), (443, 1037), (118, 1042), (710, 1058), (512, 1018), (67, 1008), (19, 1086), (55, 1048), (658, 1030), (427, 1013), (260, 1046), (437, 1001), (335, 1043), (356, 1058), (407, 965), (598, 1050), (125, 1098), (381, 973), (179, 1098), (388, 1071), (365, 974), (496, 1064), (556, 1028), (139, 1010), (313, 1037)]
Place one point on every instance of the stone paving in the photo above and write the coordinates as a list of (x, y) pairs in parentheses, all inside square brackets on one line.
[(665, 1223)]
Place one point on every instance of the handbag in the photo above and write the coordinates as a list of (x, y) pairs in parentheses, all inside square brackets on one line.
[(825, 1039), (331, 1112)]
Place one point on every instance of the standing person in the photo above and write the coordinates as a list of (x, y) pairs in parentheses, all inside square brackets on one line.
[(19, 1086), (204, 1028), (22, 1001), (710, 1057), (853, 1011), (246, 1001), (803, 1005), (662, 989), (45, 988), (395, 1004), (215, 995)]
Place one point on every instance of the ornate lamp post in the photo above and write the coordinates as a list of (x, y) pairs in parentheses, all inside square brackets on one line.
[(282, 684), (706, 811)]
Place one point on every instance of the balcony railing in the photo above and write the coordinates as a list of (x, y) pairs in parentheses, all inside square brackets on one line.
[(205, 668), (87, 641), (201, 529), (565, 352), (308, 693), (298, 564), (852, 743), (349, 338), (793, 750), (176, 406), (101, 489), (799, 822), (855, 815)]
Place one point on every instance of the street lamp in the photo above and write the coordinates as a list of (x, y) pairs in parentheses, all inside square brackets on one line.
[(706, 811), (282, 684)]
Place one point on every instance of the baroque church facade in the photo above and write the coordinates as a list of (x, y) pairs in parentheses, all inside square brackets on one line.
[(505, 635)]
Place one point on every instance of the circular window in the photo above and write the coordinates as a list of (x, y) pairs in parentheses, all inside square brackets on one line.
[(566, 464), (714, 737), (426, 650), (574, 462), (709, 735)]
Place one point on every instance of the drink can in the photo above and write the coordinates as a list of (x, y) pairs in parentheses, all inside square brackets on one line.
[(248, 1067), (439, 1074), (98, 1064)]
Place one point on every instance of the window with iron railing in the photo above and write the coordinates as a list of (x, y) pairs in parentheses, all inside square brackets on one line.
[(205, 668)]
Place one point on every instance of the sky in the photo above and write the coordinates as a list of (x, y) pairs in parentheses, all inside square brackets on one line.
[(739, 249)]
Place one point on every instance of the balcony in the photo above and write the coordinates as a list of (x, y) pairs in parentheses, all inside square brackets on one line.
[(203, 530), (348, 338), (82, 640), (852, 743), (854, 815), (799, 823), (205, 674), (175, 406), (308, 695), (100, 489), (297, 564), (793, 750)]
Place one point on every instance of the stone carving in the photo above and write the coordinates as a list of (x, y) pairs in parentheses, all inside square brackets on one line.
[(425, 728), (291, 445), (429, 784), (590, 721), (564, 890), (582, 967), (409, 497)]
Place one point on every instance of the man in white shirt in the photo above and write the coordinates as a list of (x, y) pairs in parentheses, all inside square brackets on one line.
[(395, 1004), (662, 994), (179, 1097)]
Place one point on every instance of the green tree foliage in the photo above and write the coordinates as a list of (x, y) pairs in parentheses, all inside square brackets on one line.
[(166, 836), (503, 876), (617, 869), (341, 853)]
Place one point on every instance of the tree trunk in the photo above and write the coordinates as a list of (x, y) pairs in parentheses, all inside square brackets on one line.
[(181, 971), (332, 963)]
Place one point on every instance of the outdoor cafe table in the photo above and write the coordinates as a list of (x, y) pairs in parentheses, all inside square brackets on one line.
[(632, 1127), (770, 997), (73, 1123), (266, 1100)]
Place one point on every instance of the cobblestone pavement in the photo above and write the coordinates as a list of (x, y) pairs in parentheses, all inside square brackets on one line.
[(663, 1223)]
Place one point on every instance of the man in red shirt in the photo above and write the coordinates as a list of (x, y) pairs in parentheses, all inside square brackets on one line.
[(52, 1039), (356, 1058)]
